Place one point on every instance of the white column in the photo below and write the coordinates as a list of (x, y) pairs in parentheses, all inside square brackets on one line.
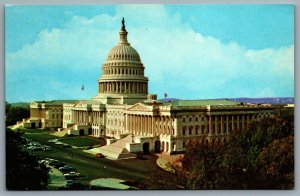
[(227, 124), (222, 131), (243, 121), (216, 125)]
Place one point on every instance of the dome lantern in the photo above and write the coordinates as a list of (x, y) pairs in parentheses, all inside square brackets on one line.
[(123, 34)]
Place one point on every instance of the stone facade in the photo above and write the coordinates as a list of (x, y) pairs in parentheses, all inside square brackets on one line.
[(47, 114)]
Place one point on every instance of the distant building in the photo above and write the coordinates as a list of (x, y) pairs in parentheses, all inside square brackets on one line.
[(135, 121), (46, 114)]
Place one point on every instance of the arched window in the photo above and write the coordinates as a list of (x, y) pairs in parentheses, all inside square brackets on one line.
[(190, 130), (202, 129), (183, 131)]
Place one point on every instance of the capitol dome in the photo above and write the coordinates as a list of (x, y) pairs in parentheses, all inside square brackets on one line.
[(123, 52), (123, 71)]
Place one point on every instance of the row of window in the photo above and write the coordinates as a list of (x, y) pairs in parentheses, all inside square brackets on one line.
[(190, 130), (218, 117), (206, 141), (58, 116), (123, 71), (124, 57), (190, 119)]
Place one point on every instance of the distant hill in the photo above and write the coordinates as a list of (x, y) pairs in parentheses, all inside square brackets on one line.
[(20, 104), (264, 100), (168, 99)]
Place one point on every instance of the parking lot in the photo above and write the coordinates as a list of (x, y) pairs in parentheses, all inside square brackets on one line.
[(87, 167)]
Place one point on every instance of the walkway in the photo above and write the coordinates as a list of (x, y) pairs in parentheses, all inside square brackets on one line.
[(165, 159), (56, 179)]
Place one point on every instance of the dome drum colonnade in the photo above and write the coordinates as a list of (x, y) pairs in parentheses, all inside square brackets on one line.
[(123, 71)]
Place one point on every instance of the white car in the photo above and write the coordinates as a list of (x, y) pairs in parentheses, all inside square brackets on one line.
[(58, 143), (53, 141), (72, 174)]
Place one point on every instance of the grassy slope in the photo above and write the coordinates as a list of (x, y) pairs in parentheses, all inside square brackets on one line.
[(80, 141)]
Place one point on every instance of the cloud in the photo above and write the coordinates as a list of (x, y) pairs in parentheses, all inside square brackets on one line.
[(178, 60)]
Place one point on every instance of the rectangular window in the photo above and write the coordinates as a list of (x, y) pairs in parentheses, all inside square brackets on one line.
[(183, 131), (190, 131)]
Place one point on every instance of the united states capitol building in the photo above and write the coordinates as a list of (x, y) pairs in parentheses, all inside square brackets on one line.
[(133, 120)]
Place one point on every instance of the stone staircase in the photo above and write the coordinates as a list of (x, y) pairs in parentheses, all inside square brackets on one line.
[(118, 150)]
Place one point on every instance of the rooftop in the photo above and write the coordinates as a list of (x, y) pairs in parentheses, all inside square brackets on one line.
[(201, 102), (57, 101)]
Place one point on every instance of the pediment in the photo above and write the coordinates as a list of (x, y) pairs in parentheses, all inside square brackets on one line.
[(139, 107), (78, 104), (86, 103)]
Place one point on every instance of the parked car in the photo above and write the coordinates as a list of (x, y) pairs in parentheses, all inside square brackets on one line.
[(99, 155), (57, 165), (141, 157), (69, 183), (67, 146), (53, 163), (47, 148), (35, 148), (53, 141), (72, 174), (34, 144), (66, 168), (43, 161)]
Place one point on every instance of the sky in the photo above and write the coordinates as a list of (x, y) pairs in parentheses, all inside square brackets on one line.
[(189, 51)]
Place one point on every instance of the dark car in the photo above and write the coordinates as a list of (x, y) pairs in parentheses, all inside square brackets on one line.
[(67, 146), (141, 157), (99, 155), (66, 168)]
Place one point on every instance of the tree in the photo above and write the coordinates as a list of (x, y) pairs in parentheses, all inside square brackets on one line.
[(15, 114), (7, 107), (276, 164), (23, 172), (240, 163)]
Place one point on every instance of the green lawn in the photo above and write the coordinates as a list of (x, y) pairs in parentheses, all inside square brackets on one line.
[(80, 141), (26, 130), (42, 137)]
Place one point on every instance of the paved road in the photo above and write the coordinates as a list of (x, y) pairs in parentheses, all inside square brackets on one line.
[(92, 168)]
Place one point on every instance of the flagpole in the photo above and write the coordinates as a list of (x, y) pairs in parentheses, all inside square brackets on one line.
[(82, 89)]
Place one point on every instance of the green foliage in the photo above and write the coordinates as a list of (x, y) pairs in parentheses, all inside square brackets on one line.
[(245, 161), (7, 107), (23, 172), (14, 114), (161, 180), (276, 164)]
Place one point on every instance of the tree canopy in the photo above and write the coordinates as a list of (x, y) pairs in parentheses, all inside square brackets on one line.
[(259, 157), (23, 172), (15, 113)]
